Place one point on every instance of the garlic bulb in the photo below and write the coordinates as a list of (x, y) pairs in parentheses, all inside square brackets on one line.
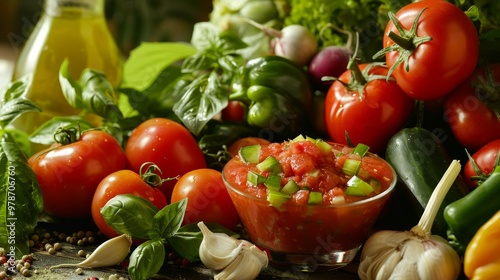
[(414, 254), (230, 258), (110, 252)]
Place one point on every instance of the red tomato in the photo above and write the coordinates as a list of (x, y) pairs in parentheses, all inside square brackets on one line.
[(208, 199), (485, 159), (473, 123), (234, 112), (68, 175), (371, 120), (122, 182), (246, 141), (167, 144), (440, 64)]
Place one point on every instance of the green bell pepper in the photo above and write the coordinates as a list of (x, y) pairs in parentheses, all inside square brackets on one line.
[(466, 215), (278, 95)]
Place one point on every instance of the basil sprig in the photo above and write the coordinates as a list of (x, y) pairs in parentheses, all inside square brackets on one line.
[(20, 196), (136, 216)]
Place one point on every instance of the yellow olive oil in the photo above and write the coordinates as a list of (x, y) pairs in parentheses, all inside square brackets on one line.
[(78, 32)]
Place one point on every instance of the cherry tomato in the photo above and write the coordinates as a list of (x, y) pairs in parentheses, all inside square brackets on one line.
[(234, 112), (438, 65), (246, 141), (122, 182), (167, 144), (485, 159), (208, 199), (473, 123), (370, 120), (69, 174)]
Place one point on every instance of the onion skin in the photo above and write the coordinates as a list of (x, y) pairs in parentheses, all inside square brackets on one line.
[(330, 61)]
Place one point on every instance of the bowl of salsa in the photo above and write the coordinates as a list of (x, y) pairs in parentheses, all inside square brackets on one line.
[(309, 203)]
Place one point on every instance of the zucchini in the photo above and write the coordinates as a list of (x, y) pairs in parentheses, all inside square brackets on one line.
[(420, 160)]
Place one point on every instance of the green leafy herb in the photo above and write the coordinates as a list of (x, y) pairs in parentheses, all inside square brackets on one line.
[(168, 220), (92, 93), (130, 215), (20, 196), (147, 259)]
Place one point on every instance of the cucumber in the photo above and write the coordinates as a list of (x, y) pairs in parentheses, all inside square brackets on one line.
[(420, 160)]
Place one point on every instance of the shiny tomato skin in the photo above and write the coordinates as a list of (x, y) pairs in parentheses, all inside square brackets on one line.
[(246, 141), (485, 158), (167, 144), (373, 120), (471, 121), (208, 199), (234, 112), (436, 67), (122, 182), (69, 175)]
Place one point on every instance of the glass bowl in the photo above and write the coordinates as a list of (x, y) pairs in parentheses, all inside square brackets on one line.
[(306, 238)]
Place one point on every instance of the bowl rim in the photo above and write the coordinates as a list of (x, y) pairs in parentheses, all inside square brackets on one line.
[(381, 195)]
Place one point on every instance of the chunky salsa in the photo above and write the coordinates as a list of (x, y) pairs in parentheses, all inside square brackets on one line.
[(294, 196)]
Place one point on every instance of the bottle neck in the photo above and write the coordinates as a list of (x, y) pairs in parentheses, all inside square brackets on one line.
[(86, 7)]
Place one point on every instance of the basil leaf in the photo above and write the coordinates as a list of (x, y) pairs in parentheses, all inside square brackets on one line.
[(92, 93), (146, 61), (44, 134), (146, 260), (168, 220), (14, 108), (186, 241), (130, 214), (159, 98), (98, 95), (204, 98), (20, 199), (70, 88), (16, 89)]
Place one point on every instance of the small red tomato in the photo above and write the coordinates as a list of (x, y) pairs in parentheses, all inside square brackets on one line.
[(485, 159), (122, 182), (167, 144), (246, 141), (208, 199), (472, 121), (68, 175), (370, 114), (234, 112)]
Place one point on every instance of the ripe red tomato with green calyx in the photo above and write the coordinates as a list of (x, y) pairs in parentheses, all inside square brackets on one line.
[(69, 174), (473, 108), (366, 107), (208, 199), (430, 46), (126, 182), (169, 145), (481, 164)]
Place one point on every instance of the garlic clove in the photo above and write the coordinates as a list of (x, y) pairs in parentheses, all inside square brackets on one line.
[(436, 251), (109, 253), (217, 250), (246, 266)]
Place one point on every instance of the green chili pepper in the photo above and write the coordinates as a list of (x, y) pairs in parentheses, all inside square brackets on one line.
[(278, 95), (466, 215)]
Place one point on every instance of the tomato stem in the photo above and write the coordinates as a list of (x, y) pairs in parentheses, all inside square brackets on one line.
[(151, 176), (66, 135), (405, 43)]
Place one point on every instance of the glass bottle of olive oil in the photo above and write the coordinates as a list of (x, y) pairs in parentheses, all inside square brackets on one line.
[(72, 29)]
